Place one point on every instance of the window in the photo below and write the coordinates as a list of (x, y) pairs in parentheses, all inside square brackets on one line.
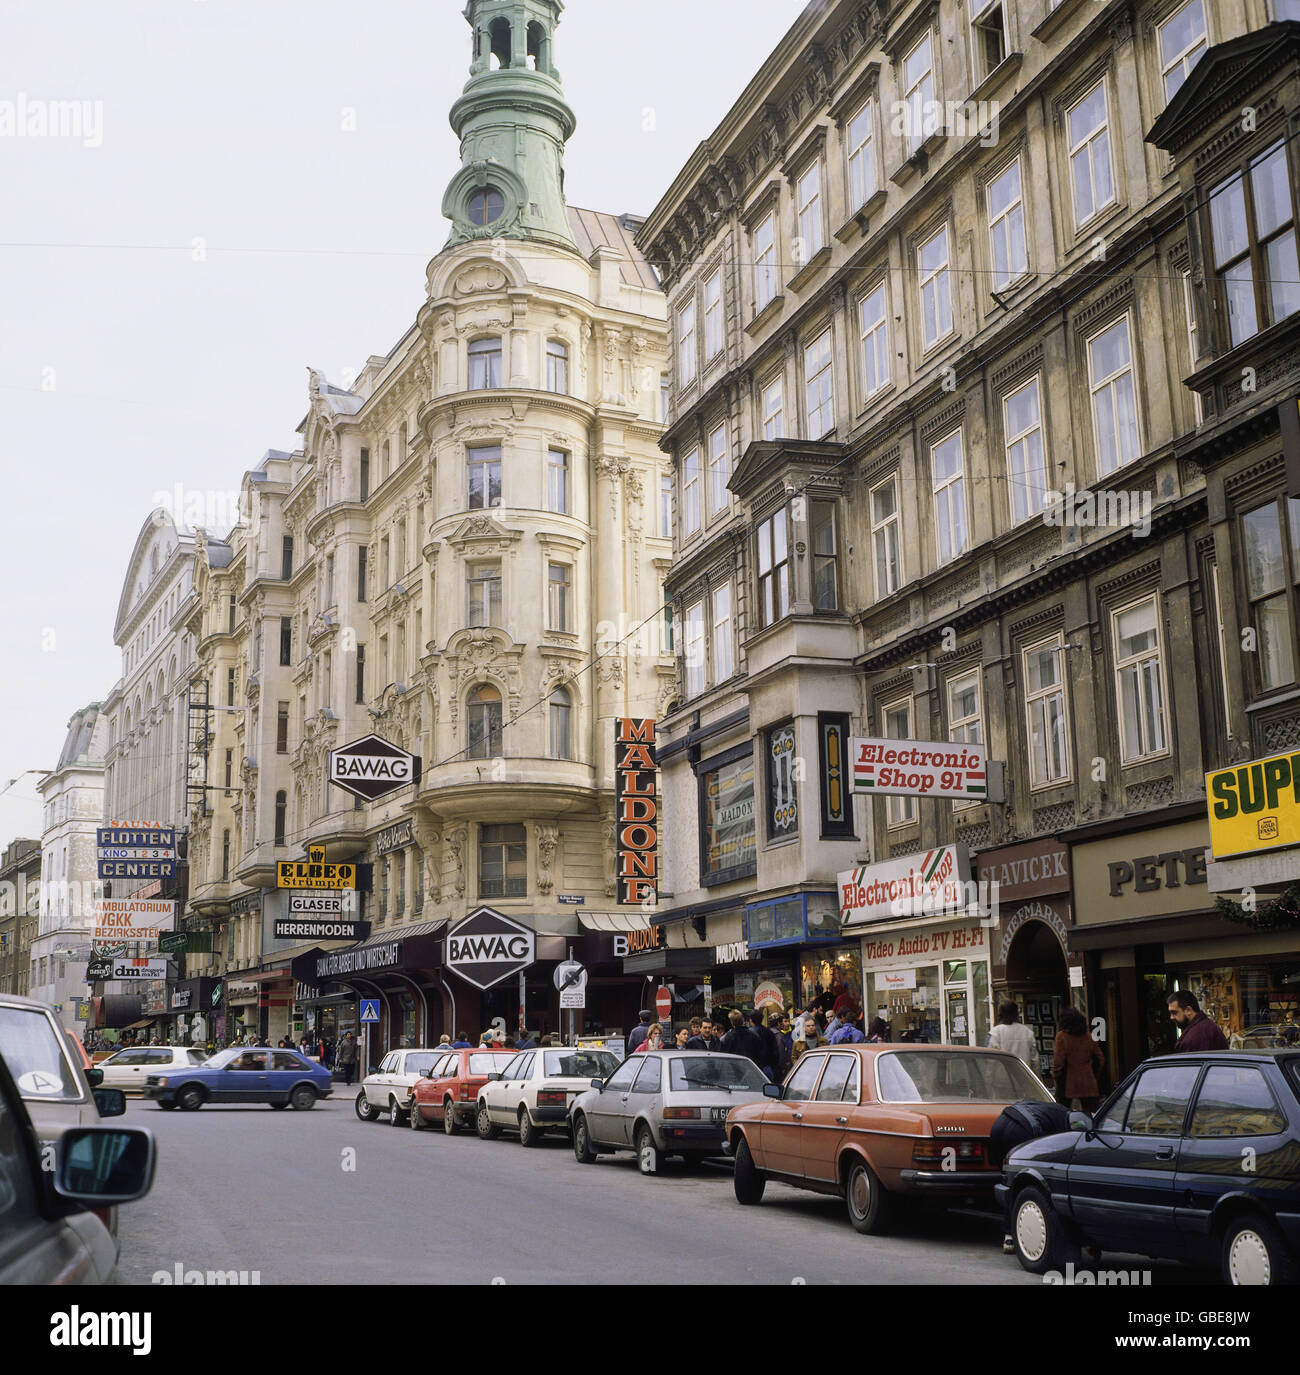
[(713, 315), (485, 205), (650, 1080), (557, 481), (1252, 229), (825, 556), (1007, 227), (723, 637), (884, 538), (1193, 340), (560, 711), (918, 93), (1160, 1099), (718, 474), (1026, 466), (834, 774), (386, 562), (669, 645), (484, 364), (225, 856), (665, 394), (772, 536), (799, 1087), (989, 35), (764, 263), (502, 862), (286, 641), (557, 596), (726, 801), (693, 649), (686, 360), (819, 386), (231, 610), (286, 558), (812, 232), (666, 506), (363, 558), (230, 687), (1046, 713), (897, 718), (1271, 571), (1091, 174), (1235, 1100), (365, 474), (483, 586), (281, 807), (230, 775), (484, 477), (1114, 397), (936, 288), (782, 788), (862, 156), (874, 326), (839, 1070), (282, 728), (1221, 642), (964, 724), (691, 491), (774, 409), (949, 478), (1139, 682), (1182, 41), (484, 723), (361, 675), (557, 366)]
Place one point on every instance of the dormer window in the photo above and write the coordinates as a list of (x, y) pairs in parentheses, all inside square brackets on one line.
[(486, 205)]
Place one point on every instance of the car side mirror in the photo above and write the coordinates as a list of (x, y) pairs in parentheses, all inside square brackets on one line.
[(100, 1166), (771, 1090), (598, 1084), (493, 1077), (373, 1070), (1080, 1122), (110, 1102), (95, 1077)]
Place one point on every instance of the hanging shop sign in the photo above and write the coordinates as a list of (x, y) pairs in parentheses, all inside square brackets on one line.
[(768, 994), (924, 768), (917, 885), (319, 929), (315, 873), (329, 905), (489, 947), (372, 767), (396, 837), (139, 969), (1254, 806), (734, 952), (175, 942), (135, 868), (636, 811), (132, 919), (151, 841), (638, 942)]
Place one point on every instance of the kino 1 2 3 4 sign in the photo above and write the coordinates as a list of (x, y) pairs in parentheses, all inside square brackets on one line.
[(923, 768), (636, 812)]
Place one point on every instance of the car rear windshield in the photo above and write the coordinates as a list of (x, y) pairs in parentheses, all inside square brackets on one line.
[(709, 1073), (956, 1076), (490, 1061), (579, 1064), (35, 1055)]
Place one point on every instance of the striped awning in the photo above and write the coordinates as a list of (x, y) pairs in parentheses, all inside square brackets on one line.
[(615, 921)]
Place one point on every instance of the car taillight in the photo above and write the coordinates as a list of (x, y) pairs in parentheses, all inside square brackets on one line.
[(682, 1112), (952, 1154), (551, 1097), (467, 1093)]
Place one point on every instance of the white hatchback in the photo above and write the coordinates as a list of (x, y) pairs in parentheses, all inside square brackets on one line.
[(389, 1088), (129, 1069), (533, 1091)]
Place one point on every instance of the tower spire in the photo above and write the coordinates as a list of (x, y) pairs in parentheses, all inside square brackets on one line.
[(513, 122)]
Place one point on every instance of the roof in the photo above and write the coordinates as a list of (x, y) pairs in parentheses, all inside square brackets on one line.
[(79, 744), (594, 228)]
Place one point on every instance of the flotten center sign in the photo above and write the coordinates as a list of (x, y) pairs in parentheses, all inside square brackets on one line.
[(924, 768), (636, 812)]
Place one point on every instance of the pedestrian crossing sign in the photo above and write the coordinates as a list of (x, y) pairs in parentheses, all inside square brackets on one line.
[(369, 1009)]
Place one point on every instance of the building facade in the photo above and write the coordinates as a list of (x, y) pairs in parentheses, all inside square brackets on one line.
[(20, 912)]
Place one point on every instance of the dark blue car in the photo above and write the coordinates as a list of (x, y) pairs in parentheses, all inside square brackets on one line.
[(1195, 1157), (282, 1078)]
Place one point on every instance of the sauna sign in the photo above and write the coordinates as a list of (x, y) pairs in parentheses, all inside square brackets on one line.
[(636, 812)]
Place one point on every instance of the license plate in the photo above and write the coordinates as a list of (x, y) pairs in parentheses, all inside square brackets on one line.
[(719, 1114)]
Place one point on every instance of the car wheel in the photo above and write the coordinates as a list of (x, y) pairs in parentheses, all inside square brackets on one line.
[(302, 1097), (449, 1123), (528, 1134), (748, 1181), (366, 1110), (866, 1199), (190, 1098), (582, 1142), (1254, 1253), (396, 1113), (483, 1124), (166, 1105), (649, 1158), (414, 1117), (1039, 1234)]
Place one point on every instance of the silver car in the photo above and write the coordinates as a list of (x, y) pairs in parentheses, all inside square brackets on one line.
[(664, 1102), (389, 1088), (129, 1069)]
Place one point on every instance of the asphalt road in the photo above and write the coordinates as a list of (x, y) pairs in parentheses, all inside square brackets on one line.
[(320, 1197)]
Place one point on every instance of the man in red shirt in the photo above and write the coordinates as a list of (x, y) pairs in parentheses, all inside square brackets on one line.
[(1199, 1032)]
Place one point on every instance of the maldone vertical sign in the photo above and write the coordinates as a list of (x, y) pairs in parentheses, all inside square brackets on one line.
[(636, 828)]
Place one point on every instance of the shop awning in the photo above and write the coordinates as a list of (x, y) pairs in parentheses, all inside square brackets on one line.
[(143, 1022), (261, 976), (614, 921)]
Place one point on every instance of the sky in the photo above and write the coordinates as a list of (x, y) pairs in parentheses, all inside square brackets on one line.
[(254, 188)]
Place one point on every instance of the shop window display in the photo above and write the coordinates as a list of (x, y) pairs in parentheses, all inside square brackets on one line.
[(831, 979), (1257, 1006)]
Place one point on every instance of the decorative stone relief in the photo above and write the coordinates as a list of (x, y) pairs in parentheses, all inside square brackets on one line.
[(547, 841), (456, 848)]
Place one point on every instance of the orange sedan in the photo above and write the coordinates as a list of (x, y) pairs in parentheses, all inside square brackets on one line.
[(873, 1123)]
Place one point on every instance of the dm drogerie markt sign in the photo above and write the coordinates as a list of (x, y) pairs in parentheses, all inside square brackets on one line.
[(372, 768), (314, 872)]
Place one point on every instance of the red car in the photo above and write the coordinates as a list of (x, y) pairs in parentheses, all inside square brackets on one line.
[(453, 1095)]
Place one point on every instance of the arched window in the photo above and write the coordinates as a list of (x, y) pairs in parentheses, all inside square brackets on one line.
[(486, 205), (500, 31), (484, 722), (484, 364), (557, 367), (281, 807), (561, 714), (538, 57)]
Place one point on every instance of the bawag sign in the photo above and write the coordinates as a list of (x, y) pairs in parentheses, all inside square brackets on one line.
[(636, 812), (488, 947)]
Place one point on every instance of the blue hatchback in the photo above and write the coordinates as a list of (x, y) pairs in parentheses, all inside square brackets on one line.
[(282, 1078), (1193, 1158)]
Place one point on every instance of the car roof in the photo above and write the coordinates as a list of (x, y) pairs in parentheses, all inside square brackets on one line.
[(1201, 1056)]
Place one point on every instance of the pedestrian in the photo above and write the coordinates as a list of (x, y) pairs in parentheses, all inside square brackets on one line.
[(1199, 1031), (740, 1040), (547, 1040), (444, 1042), (654, 1039), (683, 1036), (1076, 1058), (462, 1042), (878, 1031), (784, 1044), (768, 1053), (848, 1032), (347, 1057), (694, 1025), (525, 1041), (706, 1038), (637, 1035), (1012, 1035)]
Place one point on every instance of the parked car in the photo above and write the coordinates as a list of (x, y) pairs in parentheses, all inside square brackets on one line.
[(50, 1233), (282, 1078), (128, 1069), (388, 1089), (1277, 1036), (663, 1102), (1192, 1158), (451, 1096), (532, 1093), (872, 1122)]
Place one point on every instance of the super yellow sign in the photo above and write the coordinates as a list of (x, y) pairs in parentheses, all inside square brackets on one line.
[(1254, 806), (315, 873)]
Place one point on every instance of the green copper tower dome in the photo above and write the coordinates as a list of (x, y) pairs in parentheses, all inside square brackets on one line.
[(513, 123)]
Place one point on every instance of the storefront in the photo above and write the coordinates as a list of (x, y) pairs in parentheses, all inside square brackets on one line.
[(191, 1007)]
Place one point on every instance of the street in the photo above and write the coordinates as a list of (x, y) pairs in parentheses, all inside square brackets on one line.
[(321, 1198)]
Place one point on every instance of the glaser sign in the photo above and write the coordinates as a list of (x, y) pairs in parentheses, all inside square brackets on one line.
[(919, 768), (1254, 806), (637, 813), (914, 885)]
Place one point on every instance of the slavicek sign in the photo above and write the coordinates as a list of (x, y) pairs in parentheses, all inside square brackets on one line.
[(488, 947)]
